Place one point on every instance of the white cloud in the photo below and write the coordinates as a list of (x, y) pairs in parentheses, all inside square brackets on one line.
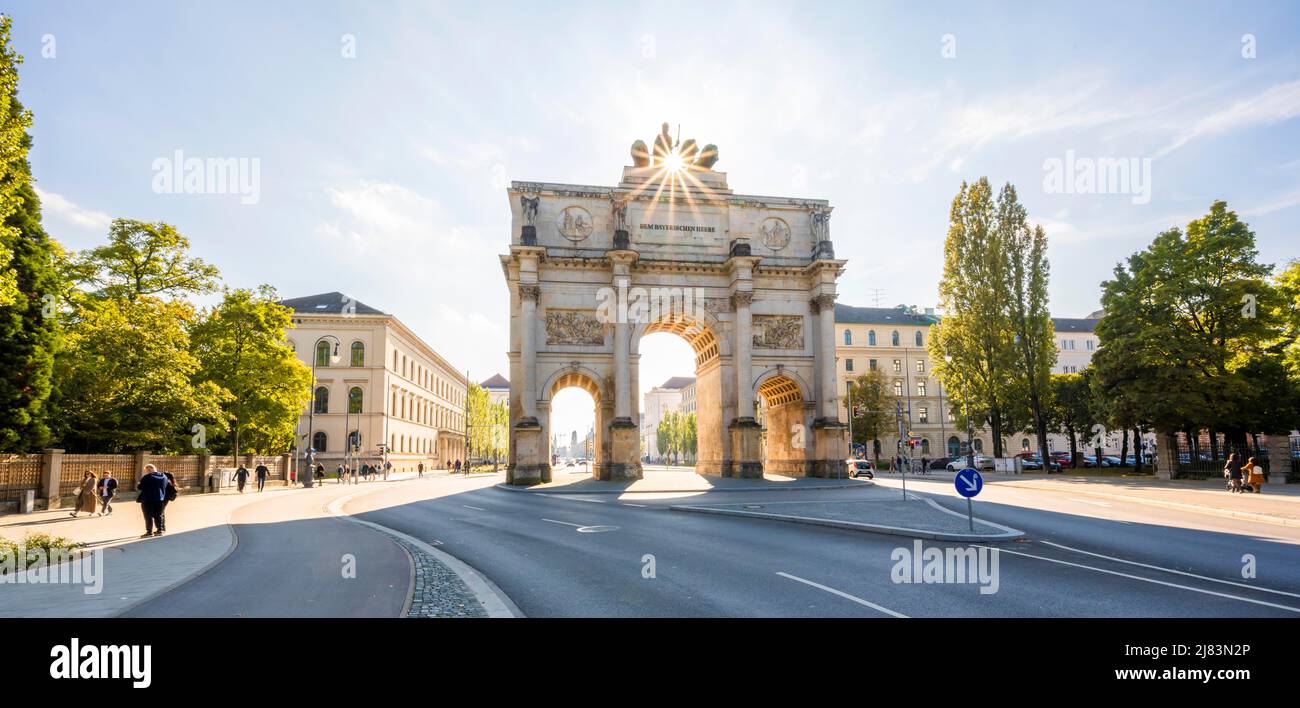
[(61, 209), (1277, 103)]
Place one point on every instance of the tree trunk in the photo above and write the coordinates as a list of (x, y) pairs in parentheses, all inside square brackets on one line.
[(1074, 447), (1137, 449), (996, 428), (1123, 448)]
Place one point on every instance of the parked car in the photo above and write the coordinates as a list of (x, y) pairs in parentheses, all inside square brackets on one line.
[(861, 468), (1063, 459), (982, 463), (1110, 461), (1031, 461), (940, 463)]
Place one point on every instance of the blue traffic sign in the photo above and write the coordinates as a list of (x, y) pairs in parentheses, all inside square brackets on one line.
[(968, 482)]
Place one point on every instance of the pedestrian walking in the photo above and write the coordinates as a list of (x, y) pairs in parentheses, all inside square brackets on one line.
[(152, 495), (457, 469), (320, 472), (107, 489), (86, 495), (338, 474), (388, 467), (419, 469), (1253, 475), (241, 478), (262, 474), (925, 465), (1232, 471)]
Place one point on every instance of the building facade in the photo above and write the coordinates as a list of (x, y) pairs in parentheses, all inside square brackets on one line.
[(377, 383), (659, 402), (498, 389), (896, 340)]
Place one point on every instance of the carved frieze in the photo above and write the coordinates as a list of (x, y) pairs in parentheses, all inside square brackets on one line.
[(574, 327), (778, 331)]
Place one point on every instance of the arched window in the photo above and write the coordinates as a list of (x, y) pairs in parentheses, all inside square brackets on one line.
[(871, 338), (954, 446), (979, 445), (1024, 444), (848, 338), (894, 338), (322, 400), (925, 446), (319, 440), (355, 399), (354, 438), (919, 340), (358, 354), (322, 353), (293, 345)]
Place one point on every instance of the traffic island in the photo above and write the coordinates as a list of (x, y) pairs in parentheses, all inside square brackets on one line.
[(914, 518)]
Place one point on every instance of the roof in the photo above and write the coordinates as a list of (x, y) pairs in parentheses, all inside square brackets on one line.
[(678, 382), (847, 314), (497, 381), (1074, 324), (330, 303)]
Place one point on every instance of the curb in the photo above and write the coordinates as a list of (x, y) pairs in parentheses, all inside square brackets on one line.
[(822, 487), (1006, 535), (496, 603)]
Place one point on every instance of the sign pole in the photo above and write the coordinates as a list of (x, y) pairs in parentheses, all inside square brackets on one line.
[(970, 515)]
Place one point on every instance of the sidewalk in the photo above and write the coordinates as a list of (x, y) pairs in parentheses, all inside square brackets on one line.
[(135, 569), (887, 513)]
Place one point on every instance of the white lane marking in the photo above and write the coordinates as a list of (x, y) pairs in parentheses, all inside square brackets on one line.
[(1171, 570), (564, 522), (844, 595), (475, 508), (1085, 501), (631, 504), (1149, 580), (568, 497)]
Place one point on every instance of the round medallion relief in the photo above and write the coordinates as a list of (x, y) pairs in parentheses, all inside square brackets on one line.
[(575, 223), (774, 233)]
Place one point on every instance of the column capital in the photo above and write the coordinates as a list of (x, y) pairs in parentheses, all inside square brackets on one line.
[(742, 298), (823, 302), (530, 292)]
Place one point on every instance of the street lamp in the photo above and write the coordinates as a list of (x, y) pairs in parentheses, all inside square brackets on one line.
[(309, 479)]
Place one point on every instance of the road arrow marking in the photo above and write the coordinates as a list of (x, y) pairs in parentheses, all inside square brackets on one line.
[(577, 526)]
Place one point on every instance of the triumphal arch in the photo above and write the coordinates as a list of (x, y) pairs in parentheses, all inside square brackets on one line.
[(747, 281)]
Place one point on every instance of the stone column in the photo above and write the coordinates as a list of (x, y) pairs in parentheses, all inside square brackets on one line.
[(528, 295), (824, 306), (1166, 455), (51, 476), (744, 344), (622, 373)]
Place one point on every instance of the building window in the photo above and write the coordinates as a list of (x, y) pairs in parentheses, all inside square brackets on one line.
[(919, 339), (923, 414), (1091, 345), (871, 337), (893, 338), (920, 366), (920, 388), (1024, 444), (898, 388), (954, 446), (898, 366), (848, 338), (358, 354), (354, 400), (318, 441), (322, 404), (322, 353), (848, 365), (925, 446), (872, 364), (354, 439), (979, 445)]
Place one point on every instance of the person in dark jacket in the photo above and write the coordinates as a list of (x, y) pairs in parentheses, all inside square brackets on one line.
[(153, 500), (107, 489), (1233, 472), (241, 478), (262, 473)]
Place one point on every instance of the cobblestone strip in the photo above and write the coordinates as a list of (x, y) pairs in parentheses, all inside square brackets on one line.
[(438, 591)]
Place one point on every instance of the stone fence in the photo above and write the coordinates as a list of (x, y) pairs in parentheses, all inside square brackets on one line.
[(53, 475)]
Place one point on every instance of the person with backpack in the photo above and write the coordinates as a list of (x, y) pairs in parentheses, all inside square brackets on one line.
[(152, 495), (1253, 475)]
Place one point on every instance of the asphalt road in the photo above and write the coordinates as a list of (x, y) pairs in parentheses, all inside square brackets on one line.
[(630, 556), (587, 555)]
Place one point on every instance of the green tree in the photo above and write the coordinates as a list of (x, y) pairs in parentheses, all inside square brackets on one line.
[(14, 171), (668, 436), (872, 405), (240, 347), (1072, 410), (144, 259), (127, 380), (29, 324), (690, 435), (1185, 319), (973, 347), (487, 423), (1027, 308)]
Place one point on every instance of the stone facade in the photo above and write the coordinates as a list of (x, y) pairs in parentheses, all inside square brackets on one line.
[(673, 251)]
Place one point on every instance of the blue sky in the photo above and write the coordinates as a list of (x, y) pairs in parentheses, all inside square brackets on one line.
[(384, 175)]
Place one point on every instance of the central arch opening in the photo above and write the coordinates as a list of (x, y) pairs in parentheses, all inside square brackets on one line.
[(677, 363), (572, 419), (785, 420)]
